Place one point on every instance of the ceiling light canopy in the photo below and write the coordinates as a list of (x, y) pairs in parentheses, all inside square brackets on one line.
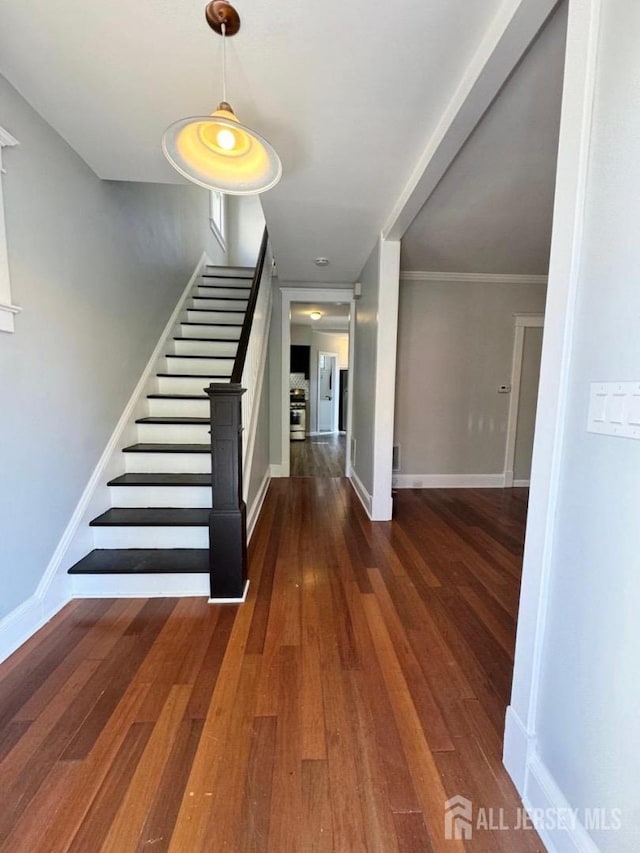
[(217, 151)]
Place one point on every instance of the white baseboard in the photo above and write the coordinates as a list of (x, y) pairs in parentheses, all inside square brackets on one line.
[(448, 481), (519, 484), (240, 600), (363, 495), (278, 471), (540, 793), (253, 512), (23, 622)]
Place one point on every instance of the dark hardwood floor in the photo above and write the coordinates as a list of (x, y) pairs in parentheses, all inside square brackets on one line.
[(319, 456), (362, 684)]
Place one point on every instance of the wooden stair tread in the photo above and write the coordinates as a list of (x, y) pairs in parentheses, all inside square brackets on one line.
[(193, 323), (222, 299), (194, 375), (208, 340), (168, 479), (177, 397), (189, 355), (153, 517), (217, 310), (143, 561), (148, 447), (174, 420)]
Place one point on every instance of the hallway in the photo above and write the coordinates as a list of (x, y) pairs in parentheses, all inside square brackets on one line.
[(363, 683), (319, 456)]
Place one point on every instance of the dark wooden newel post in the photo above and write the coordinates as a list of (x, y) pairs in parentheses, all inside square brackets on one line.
[(227, 522)]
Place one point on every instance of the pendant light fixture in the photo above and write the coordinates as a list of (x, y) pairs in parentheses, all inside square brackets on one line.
[(217, 151)]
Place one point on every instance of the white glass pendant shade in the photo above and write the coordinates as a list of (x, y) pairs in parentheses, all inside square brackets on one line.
[(220, 153)]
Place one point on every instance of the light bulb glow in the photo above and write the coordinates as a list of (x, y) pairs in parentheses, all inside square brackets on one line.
[(315, 315), (226, 140)]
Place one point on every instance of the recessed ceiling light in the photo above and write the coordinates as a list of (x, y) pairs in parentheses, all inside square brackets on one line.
[(321, 262), (315, 315)]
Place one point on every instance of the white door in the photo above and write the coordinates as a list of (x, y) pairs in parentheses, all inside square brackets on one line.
[(327, 395)]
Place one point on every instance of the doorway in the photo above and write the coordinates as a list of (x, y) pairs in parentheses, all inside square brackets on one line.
[(328, 395), (317, 364)]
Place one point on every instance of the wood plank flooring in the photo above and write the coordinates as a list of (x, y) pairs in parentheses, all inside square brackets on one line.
[(318, 456), (362, 684)]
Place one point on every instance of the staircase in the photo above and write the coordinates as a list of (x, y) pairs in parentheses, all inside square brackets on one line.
[(158, 522)]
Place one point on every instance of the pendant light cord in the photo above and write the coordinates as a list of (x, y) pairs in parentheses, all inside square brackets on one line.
[(224, 62)]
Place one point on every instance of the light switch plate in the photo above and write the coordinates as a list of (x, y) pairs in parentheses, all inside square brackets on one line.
[(614, 409)]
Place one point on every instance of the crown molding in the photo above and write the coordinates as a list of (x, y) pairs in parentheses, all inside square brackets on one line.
[(471, 277)]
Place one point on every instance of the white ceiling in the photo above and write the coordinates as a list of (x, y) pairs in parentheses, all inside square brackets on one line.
[(348, 96), (492, 211), (335, 316)]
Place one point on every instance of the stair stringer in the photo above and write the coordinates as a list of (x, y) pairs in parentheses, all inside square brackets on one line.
[(78, 537)]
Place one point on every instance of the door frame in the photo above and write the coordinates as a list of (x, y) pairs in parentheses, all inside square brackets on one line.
[(522, 323), (334, 385), (311, 294)]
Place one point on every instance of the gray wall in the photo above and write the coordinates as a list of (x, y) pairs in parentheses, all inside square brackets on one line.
[(455, 347), (245, 226), (365, 350), (97, 268), (587, 720)]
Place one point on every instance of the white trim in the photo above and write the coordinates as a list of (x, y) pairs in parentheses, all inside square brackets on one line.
[(361, 492), (253, 513), (448, 481), (309, 294), (540, 792), (506, 40), (522, 322), (8, 310), (564, 272), (251, 429), (240, 600), (23, 622), (60, 560), (385, 389), (521, 484), (278, 471), (472, 277)]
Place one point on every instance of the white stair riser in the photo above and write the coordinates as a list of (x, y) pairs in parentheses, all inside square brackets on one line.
[(174, 496), (223, 274), (205, 366), (194, 316), (173, 434), (219, 290), (168, 463), (184, 384), (210, 302), (218, 348), (178, 408), (140, 586), (206, 330), (151, 537)]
